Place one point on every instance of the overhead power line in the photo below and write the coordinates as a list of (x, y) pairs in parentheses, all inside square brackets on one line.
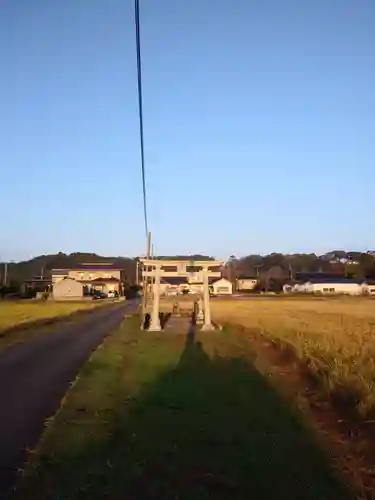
[(140, 112)]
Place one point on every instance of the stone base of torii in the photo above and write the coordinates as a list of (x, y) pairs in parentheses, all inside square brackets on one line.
[(155, 269)]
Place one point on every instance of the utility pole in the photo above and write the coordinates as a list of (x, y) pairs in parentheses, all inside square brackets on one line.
[(148, 244), (145, 282), (231, 272), (291, 272), (5, 279)]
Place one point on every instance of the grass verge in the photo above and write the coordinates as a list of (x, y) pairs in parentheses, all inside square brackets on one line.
[(156, 415)]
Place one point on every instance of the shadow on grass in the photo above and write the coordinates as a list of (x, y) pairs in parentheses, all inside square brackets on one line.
[(211, 428)]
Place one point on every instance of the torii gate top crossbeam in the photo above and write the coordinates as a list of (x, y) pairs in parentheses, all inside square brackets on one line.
[(178, 263)]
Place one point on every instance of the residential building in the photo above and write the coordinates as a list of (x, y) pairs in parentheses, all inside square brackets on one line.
[(100, 276), (67, 289), (246, 283), (222, 287), (35, 285), (175, 285), (301, 277), (343, 286)]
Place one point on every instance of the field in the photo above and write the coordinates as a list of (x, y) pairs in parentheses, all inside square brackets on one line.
[(17, 317), (334, 337), (160, 415), (16, 313)]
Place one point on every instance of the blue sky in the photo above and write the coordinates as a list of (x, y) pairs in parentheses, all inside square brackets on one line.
[(259, 126)]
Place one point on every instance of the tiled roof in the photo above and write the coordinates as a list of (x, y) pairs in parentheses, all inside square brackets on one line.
[(98, 267), (336, 280), (101, 280), (38, 280), (317, 276), (174, 280)]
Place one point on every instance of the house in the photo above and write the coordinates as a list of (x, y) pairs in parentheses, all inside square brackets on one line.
[(34, 285), (222, 287), (246, 283), (345, 286), (67, 289), (101, 276), (369, 287), (59, 274), (317, 276), (175, 285)]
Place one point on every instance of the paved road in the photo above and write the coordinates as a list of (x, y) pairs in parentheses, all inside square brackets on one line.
[(35, 376)]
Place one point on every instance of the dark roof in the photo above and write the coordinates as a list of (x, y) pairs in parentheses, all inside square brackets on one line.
[(174, 280), (38, 280), (59, 272), (183, 280), (101, 280), (247, 277), (211, 280), (336, 280), (317, 276), (100, 266)]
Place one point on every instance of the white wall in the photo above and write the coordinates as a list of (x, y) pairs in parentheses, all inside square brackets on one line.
[(368, 289), (332, 288), (345, 288), (302, 288), (222, 287), (246, 284), (67, 289)]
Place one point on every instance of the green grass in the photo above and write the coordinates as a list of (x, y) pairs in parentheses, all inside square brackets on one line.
[(153, 416), (18, 318)]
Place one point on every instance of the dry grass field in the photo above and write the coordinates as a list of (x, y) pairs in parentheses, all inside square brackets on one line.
[(334, 336), (16, 313)]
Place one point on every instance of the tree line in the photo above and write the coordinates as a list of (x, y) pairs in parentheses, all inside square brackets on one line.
[(274, 266)]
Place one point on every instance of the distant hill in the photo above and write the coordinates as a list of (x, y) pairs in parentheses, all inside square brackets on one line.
[(43, 264), (358, 264)]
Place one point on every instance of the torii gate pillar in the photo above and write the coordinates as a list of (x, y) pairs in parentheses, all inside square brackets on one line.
[(207, 325), (155, 316)]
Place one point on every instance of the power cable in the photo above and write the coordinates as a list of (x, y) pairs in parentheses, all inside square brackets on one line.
[(140, 113)]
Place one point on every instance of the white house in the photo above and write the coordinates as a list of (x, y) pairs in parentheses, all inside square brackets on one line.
[(222, 287), (67, 289), (369, 287), (246, 283), (343, 286)]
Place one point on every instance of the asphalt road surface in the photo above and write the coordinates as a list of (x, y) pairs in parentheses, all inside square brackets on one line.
[(35, 376)]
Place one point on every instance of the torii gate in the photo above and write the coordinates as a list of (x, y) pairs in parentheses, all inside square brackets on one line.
[(155, 268)]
